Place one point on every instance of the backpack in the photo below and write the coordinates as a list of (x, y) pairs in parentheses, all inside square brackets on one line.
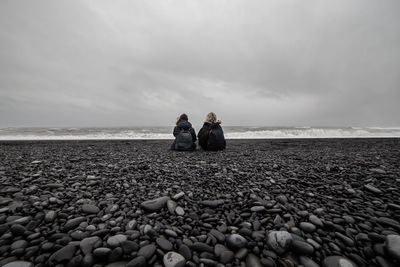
[(184, 140), (216, 139)]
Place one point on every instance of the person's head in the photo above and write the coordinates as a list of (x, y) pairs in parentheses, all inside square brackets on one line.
[(182, 117), (211, 117)]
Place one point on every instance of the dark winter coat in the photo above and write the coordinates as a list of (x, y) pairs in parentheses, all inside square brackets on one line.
[(184, 125), (204, 134)]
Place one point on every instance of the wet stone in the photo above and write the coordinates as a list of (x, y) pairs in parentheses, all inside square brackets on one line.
[(154, 204), (147, 251), (164, 244), (19, 264), (115, 241), (307, 227), (102, 252), (393, 246), (90, 209), (236, 241), (279, 241), (337, 261), (139, 261), (302, 248), (173, 259)]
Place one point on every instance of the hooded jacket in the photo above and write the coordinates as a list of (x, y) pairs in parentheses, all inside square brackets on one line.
[(204, 133), (184, 125)]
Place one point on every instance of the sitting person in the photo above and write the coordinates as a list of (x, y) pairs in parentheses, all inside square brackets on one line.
[(211, 136), (185, 136)]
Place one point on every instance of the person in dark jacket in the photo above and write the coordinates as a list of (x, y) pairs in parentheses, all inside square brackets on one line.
[(183, 124), (211, 135)]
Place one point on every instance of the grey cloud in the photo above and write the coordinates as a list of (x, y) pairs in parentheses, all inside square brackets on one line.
[(77, 63)]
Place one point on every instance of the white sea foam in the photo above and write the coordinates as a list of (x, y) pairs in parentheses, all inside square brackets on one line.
[(146, 133)]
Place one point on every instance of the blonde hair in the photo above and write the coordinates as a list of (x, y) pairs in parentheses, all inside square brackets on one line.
[(211, 117)]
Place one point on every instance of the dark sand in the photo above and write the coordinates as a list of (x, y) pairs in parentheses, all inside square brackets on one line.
[(334, 197)]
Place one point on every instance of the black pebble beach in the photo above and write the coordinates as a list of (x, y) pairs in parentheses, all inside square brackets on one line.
[(311, 202)]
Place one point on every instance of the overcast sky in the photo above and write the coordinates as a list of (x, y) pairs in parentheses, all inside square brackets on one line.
[(142, 63)]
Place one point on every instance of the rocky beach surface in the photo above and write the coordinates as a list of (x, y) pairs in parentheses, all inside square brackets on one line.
[(315, 202)]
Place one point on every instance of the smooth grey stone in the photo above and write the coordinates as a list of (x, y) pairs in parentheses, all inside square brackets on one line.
[(116, 240), (377, 170), (117, 264), (185, 251), (226, 256), (171, 206), (131, 225), (337, 261), (393, 246), (73, 223), (307, 227), (257, 208), (218, 235), (102, 252), (65, 253), (147, 251), (236, 241), (129, 246), (173, 259), (90, 209), (202, 247), (279, 241), (307, 262), (164, 244), (89, 243), (19, 264), (372, 189), (139, 261), (346, 240), (315, 220), (241, 253), (170, 233), (253, 261), (178, 196), (19, 244), (389, 221), (179, 211), (302, 248), (50, 216), (154, 204), (212, 203)]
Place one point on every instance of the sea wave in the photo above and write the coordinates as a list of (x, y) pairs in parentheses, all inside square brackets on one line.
[(148, 133)]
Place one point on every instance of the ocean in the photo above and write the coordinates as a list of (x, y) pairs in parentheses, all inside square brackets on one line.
[(231, 132)]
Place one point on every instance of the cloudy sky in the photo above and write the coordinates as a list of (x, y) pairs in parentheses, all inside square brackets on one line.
[(141, 63)]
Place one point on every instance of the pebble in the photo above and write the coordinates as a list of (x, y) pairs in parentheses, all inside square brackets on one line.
[(212, 203), (164, 244), (115, 241), (19, 264), (89, 243), (179, 211), (102, 252), (147, 251), (302, 248), (73, 223), (393, 246), (236, 241), (178, 196), (373, 189), (337, 261), (253, 261), (279, 241), (90, 209), (307, 227), (154, 204), (63, 254), (139, 261), (173, 259)]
